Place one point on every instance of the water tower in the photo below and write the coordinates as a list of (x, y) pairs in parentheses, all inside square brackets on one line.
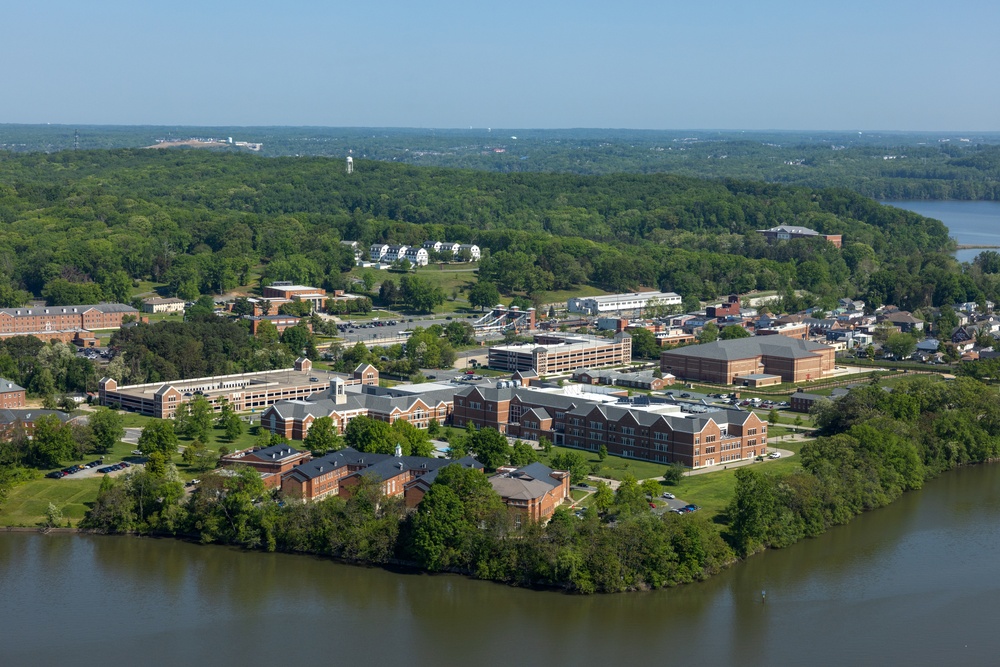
[(350, 165)]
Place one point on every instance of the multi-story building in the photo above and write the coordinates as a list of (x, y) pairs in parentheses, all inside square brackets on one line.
[(416, 256), (471, 248), (726, 361), (655, 432), (338, 473), (63, 323), (378, 251), (616, 303), (11, 394), (170, 305), (416, 404), (534, 491), (558, 353), (244, 391)]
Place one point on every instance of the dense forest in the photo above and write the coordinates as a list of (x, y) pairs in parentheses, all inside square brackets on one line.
[(83, 225), (882, 165), (875, 446)]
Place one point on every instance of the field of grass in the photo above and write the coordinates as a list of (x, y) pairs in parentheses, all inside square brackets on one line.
[(713, 491), (613, 467), (27, 503)]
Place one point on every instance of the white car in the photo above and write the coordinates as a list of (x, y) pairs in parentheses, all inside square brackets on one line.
[(668, 495), (774, 455)]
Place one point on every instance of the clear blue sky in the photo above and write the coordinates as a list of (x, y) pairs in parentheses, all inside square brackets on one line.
[(666, 64)]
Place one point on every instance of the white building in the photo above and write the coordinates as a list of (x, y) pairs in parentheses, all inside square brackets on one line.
[(615, 303), (472, 248), (395, 252), (377, 252), (416, 256)]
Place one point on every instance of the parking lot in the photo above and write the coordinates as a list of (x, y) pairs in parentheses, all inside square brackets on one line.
[(97, 468)]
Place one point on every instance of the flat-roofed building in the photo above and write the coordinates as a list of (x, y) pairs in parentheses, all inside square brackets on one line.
[(557, 353), (243, 391), (285, 290), (616, 303), (170, 305)]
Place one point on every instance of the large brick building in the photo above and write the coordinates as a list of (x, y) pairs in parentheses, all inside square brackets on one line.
[(559, 353), (339, 472), (655, 432), (62, 323), (417, 404), (726, 361)]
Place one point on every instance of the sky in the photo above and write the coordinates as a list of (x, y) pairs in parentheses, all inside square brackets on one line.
[(668, 64)]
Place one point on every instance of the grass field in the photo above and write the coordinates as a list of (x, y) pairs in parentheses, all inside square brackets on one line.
[(27, 503), (613, 467), (713, 491)]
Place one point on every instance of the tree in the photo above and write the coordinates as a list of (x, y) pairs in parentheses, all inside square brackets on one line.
[(522, 454), (107, 429), (158, 436), (366, 434), (900, 345), (650, 487), (460, 333), (490, 448), (604, 498), (484, 294), (673, 474), (630, 498), (233, 426), (602, 453), (732, 332), (53, 516), (772, 417), (198, 456), (751, 510), (296, 338), (574, 462), (198, 424), (709, 333), (322, 436), (51, 442), (644, 344)]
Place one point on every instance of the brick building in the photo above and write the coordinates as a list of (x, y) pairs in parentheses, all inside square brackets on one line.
[(557, 353), (11, 394), (287, 291), (62, 323), (655, 432), (417, 404), (724, 362), (338, 473), (534, 491)]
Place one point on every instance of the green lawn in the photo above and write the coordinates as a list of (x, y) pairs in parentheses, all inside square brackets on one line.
[(713, 491), (613, 467), (27, 503)]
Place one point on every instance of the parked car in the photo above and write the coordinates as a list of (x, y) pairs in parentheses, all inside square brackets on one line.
[(56, 474), (668, 495), (774, 455), (691, 508)]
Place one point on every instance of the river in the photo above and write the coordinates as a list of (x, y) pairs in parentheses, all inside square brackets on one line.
[(915, 583), (968, 222)]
